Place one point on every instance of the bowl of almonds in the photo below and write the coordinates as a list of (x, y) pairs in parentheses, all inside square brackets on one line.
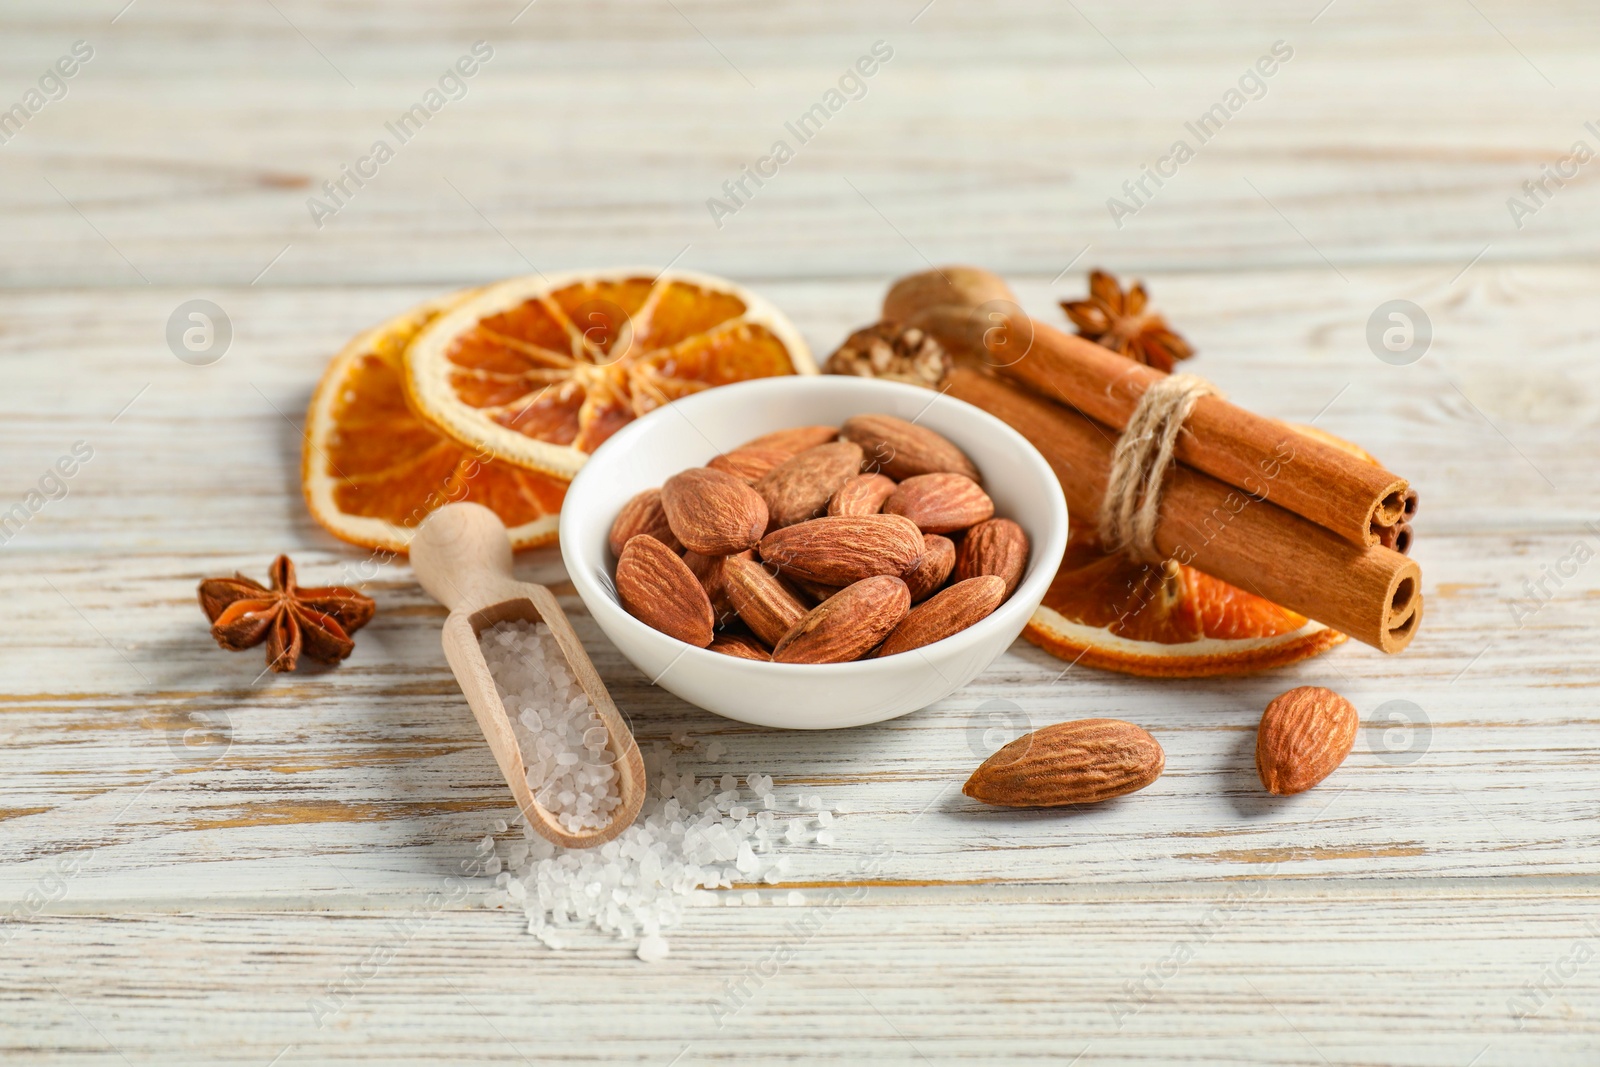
[(813, 552)]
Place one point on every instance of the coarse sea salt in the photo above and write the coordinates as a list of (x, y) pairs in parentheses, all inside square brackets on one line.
[(692, 835), (561, 735), (684, 842)]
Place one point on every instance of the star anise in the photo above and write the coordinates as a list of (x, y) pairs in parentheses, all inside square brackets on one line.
[(290, 619), (1118, 320)]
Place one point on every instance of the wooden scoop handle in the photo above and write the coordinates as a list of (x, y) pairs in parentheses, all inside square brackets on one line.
[(462, 557)]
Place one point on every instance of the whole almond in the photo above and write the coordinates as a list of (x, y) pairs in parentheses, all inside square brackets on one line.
[(741, 646), (761, 600), (658, 588), (1303, 737), (712, 512), (994, 546), (795, 439), (712, 574), (841, 549), (800, 487), (939, 503), (928, 573), (642, 515), (862, 495), (848, 624), (1081, 762), (750, 463), (947, 612), (904, 450)]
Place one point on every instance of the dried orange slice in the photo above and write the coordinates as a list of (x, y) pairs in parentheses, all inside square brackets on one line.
[(372, 469), (1164, 620), (540, 371)]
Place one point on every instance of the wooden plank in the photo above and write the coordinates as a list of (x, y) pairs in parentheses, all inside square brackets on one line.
[(600, 137), (1250, 978)]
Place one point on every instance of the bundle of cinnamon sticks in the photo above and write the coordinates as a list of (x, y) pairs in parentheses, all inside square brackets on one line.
[(1275, 510)]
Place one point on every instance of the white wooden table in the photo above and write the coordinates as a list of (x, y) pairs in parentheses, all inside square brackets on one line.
[(1433, 903)]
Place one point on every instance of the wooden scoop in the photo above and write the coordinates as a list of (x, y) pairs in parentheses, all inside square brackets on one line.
[(462, 557)]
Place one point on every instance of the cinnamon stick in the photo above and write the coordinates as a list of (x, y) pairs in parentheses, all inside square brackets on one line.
[(1372, 593), (1397, 537), (1318, 481), (964, 308)]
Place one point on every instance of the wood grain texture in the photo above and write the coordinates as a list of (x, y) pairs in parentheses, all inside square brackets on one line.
[(192, 855), (598, 132), (883, 974)]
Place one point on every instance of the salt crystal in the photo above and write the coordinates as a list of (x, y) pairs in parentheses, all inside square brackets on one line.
[(796, 898), (499, 826), (752, 898), (653, 948)]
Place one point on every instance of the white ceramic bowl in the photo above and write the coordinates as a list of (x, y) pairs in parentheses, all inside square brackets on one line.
[(688, 432)]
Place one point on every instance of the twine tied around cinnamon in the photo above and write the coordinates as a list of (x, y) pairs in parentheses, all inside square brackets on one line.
[(1132, 504)]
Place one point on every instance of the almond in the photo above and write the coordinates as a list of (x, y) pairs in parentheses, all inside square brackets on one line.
[(904, 450), (1303, 737), (761, 600), (795, 439), (948, 612), (741, 646), (712, 512), (848, 624), (658, 588), (842, 549), (994, 546), (815, 592), (713, 578), (750, 463), (800, 487), (928, 573), (862, 495), (938, 503), (1081, 762), (642, 515)]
